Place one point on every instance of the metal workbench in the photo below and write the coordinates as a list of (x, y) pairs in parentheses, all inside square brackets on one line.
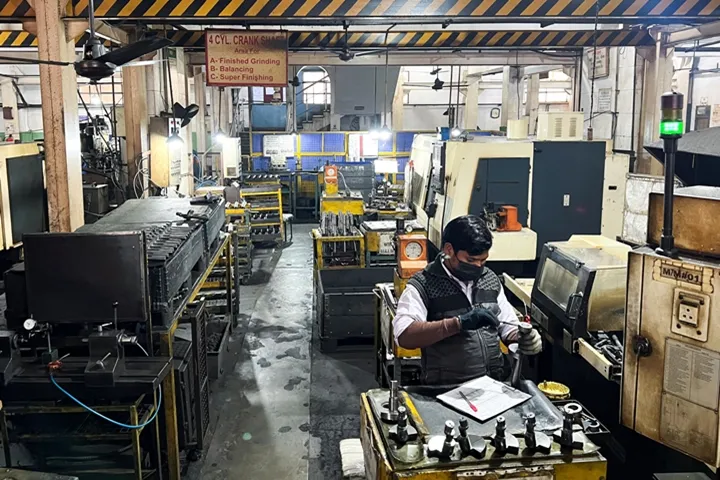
[(385, 459)]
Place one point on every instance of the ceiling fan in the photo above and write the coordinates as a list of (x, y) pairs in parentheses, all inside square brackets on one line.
[(344, 52), (96, 63)]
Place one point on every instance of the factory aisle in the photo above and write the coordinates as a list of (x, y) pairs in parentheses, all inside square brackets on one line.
[(283, 407)]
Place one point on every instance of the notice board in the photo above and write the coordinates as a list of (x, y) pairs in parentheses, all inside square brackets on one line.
[(245, 58)]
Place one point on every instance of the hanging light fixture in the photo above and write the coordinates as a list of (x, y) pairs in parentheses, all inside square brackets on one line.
[(385, 133), (174, 140), (456, 130), (220, 136), (438, 85)]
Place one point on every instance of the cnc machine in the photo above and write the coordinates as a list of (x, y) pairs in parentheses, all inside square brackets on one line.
[(548, 190)]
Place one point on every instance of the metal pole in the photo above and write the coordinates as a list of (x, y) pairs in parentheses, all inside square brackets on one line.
[(236, 283), (671, 129), (667, 241)]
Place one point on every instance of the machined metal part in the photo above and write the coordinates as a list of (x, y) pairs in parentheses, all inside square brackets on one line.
[(443, 446), (402, 432), (535, 441), (573, 409), (502, 442), (390, 410), (472, 445), (568, 436), (593, 426)]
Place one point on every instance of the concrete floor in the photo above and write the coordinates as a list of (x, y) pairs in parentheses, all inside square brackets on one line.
[(282, 406)]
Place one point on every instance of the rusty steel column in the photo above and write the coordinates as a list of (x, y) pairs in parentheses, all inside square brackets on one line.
[(58, 90)]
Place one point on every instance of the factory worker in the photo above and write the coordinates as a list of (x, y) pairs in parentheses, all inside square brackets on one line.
[(456, 311)]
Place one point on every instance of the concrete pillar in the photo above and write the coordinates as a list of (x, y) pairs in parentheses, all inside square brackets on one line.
[(511, 95), (8, 98), (137, 130), (290, 95), (156, 85), (178, 77), (398, 105), (472, 94), (657, 80), (215, 122), (58, 91), (533, 102)]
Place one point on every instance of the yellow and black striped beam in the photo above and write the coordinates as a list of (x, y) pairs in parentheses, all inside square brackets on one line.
[(298, 11), (15, 38), (431, 40), (299, 41), (19, 38)]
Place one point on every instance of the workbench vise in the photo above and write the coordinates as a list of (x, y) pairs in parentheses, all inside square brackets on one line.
[(107, 357)]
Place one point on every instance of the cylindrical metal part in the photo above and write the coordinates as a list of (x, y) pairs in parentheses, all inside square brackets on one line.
[(393, 402), (463, 424), (530, 420)]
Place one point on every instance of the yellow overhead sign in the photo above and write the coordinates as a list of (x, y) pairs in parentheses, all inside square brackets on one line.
[(241, 58)]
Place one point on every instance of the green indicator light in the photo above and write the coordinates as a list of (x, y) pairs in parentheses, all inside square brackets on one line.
[(672, 128)]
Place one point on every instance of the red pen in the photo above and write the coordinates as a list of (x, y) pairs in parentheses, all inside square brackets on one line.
[(472, 407)]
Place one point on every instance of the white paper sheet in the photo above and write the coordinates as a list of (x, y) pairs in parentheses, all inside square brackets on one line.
[(490, 397)]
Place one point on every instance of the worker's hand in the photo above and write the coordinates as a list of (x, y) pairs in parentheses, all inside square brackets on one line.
[(529, 341), (478, 317)]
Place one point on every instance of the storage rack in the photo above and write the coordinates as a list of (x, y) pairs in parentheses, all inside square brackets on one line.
[(87, 428), (242, 251), (166, 337), (266, 210)]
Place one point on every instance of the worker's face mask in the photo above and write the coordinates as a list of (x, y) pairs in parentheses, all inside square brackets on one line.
[(464, 271), (467, 272)]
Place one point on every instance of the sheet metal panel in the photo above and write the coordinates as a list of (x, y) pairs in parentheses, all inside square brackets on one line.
[(76, 277)]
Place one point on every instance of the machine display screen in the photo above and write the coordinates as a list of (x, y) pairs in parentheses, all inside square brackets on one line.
[(557, 283)]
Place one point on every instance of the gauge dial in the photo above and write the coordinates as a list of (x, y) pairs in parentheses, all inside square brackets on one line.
[(29, 324), (413, 250)]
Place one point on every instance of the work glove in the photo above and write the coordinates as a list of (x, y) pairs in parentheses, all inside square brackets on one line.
[(529, 341), (478, 317)]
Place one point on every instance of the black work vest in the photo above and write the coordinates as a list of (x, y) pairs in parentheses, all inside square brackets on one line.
[(468, 354)]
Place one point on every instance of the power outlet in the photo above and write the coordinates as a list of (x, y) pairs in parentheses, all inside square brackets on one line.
[(688, 314)]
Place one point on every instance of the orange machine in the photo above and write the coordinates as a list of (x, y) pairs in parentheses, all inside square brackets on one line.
[(411, 254), (331, 180), (507, 219)]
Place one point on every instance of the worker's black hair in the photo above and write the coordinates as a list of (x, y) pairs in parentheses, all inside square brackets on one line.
[(469, 233)]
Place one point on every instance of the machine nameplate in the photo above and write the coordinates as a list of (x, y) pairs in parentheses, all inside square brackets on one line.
[(689, 427), (387, 243), (692, 373), (678, 273)]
